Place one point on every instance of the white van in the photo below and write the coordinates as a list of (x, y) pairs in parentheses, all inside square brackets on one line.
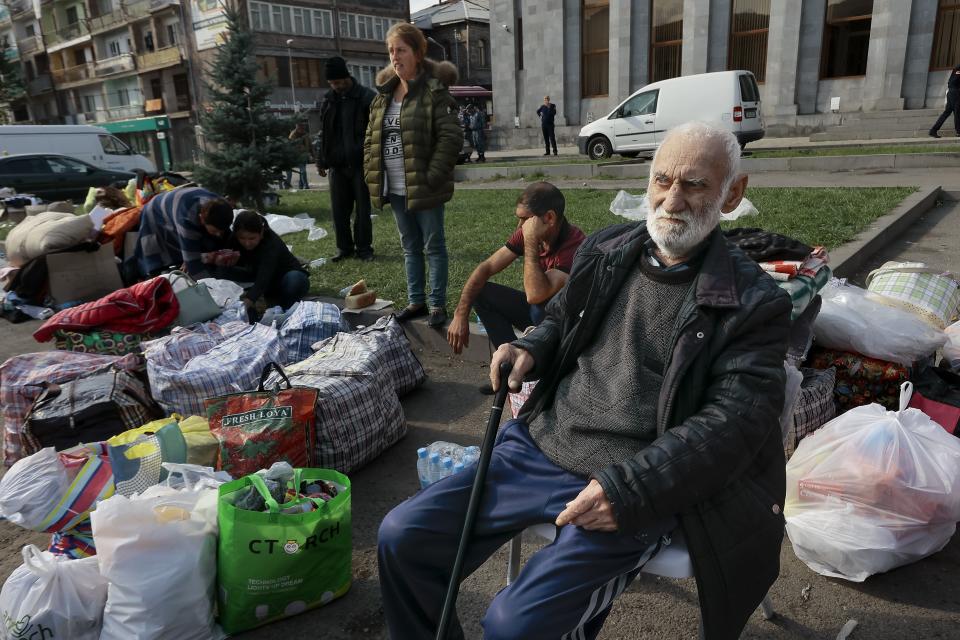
[(729, 99), (93, 144)]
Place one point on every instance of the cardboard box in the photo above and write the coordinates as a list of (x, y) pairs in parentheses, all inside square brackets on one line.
[(82, 276)]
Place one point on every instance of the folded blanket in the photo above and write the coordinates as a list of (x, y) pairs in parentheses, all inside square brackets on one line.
[(146, 307)]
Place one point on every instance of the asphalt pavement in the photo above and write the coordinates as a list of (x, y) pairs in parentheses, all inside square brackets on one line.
[(920, 601)]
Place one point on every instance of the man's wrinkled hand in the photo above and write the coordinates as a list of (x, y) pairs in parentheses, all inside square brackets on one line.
[(520, 359), (590, 509), (458, 334), (534, 230)]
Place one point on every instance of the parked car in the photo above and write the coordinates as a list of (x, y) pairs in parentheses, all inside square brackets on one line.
[(84, 142), (56, 177), (728, 99)]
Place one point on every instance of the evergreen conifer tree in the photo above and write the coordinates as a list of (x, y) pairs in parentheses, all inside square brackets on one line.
[(11, 84), (247, 144)]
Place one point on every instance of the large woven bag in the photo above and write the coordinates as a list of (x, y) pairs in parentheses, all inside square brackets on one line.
[(932, 294), (814, 407)]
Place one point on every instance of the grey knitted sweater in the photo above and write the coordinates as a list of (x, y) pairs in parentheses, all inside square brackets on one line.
[(605, 409)]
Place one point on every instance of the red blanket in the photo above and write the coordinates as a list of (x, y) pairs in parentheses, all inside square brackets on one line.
[(145, 307)]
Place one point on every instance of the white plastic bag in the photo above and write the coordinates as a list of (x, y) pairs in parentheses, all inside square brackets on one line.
[(850, 320), (159, 552), (51, 596), (223, 292), (32, 488), (193, 476), (872, 490), (317, 233), (637, 207), (282, 225), (629, 206)]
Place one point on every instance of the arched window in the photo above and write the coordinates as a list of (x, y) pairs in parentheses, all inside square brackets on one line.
[(482, 54)]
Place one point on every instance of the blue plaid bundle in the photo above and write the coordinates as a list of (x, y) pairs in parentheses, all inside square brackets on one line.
[(309, 322), (208, 360)]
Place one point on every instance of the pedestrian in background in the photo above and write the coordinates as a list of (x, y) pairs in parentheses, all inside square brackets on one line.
[(478, 124), (410, 152), (953, 104), (547, 112), (301, 141), (344, 116)]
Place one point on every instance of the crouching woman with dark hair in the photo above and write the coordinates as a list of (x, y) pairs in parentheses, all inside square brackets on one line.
[(265, 260)]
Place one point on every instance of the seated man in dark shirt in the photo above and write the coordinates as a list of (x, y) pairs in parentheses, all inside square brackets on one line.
[(547, 242)]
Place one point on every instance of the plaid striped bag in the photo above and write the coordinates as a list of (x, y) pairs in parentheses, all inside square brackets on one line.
[(814, 406), (383, 346), (206, 361), (307, 323), (932, 294), (356, 421)]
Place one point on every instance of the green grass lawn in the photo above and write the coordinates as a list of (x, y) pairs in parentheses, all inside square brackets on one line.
[(856, 151), (479, 221)]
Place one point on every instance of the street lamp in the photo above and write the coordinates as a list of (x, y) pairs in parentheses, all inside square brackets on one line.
[(293, 88)]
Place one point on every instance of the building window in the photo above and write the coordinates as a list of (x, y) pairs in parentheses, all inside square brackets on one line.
[(595, 28), (72, 16), (846, 38), (666, 39), (365, 74), (30, 31), (749, 25), (483, 60), (298, 21), (946, 36), (358, 26)]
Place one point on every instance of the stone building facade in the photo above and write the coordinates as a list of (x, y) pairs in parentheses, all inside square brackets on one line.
[(814, 59)]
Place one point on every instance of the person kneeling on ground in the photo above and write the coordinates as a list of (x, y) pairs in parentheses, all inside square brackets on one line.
[(547, 242), (265, 261), (177, 227), (661, 382)]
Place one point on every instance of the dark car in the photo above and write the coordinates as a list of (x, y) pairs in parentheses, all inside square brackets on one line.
[(55, 177)]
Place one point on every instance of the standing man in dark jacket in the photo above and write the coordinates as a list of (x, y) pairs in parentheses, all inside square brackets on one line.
[(344, 115), (661, 382), (952, 106), (547, 112)]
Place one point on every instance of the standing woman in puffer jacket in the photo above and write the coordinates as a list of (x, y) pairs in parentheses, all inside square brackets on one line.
[(410, 153)]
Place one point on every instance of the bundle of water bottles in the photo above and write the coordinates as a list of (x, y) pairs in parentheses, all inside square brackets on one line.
[(442, 459)]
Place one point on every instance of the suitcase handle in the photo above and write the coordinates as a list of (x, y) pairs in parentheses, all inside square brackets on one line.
[(273, 366)]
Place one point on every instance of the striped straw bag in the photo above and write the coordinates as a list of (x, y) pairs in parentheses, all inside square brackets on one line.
[(933, 294)]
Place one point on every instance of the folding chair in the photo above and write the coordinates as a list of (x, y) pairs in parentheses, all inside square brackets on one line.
[(672, 561)]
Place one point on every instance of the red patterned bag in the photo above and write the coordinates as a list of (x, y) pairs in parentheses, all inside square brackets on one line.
[(257, 428)]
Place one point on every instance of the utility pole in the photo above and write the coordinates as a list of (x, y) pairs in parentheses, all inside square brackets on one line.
[(293, 82)]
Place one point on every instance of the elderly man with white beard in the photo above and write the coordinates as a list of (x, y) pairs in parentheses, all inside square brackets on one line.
[(661, 380)]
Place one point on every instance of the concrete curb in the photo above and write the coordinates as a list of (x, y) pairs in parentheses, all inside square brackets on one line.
[(845, 261), (750, 165), (848, 259)]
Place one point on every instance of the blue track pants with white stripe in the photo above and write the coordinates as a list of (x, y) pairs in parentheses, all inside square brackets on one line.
[(564, 591)]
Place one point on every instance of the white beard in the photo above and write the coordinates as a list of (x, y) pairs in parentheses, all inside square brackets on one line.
[(677, 240)]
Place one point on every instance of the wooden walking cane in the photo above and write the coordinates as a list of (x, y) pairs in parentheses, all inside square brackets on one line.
[(476, 494)]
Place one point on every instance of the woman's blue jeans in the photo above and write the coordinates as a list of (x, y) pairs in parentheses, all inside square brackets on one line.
[(422, 232)]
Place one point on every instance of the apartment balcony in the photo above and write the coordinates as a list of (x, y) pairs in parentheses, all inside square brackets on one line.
[(111, 66), (156, 5), (107, 21), (122, 113), (89, 117), (20, 9), (79, 73), (30, 45), (68, 33), (40, 84), (138, 9), (159, 58)]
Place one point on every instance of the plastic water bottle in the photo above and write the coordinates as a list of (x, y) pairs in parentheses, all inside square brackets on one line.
[(470, 455), (447, 467), (433, 468), (422, 469), (457, 468)]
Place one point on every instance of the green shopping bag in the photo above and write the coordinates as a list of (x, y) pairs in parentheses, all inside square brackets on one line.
[(274, 565)]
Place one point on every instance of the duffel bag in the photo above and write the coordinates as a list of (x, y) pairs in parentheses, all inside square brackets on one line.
[(814, 407), (356, 421), (91, 408), (111, 343), (383, 346)]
